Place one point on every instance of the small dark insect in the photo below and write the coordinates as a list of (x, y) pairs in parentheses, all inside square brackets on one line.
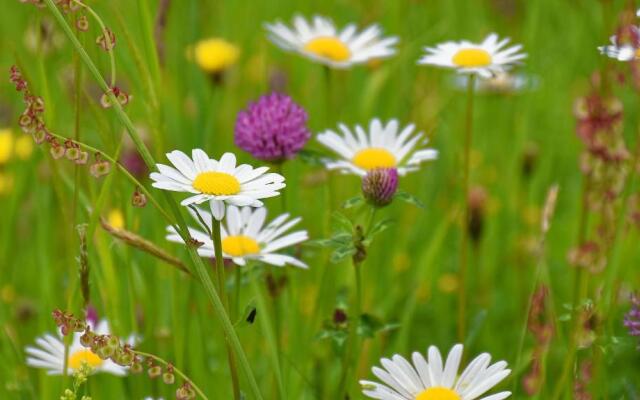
[(252, 315)]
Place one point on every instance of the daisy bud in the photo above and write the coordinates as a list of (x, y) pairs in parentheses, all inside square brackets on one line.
[(138, 199), (154, 371), (379, 186), (272, 129), (107, 41), (82, 23)]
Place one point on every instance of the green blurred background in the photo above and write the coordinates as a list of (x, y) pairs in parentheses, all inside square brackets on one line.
[(409, 275)]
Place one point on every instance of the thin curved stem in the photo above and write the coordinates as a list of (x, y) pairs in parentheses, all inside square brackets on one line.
[(176, 370), (464, 242)]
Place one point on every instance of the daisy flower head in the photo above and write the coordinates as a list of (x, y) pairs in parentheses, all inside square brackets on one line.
[(245, 236), (625, 45), (320, 41), (484, 59), (215, 55), (49, 353), (218, 181), (382, 146), (431, 379)]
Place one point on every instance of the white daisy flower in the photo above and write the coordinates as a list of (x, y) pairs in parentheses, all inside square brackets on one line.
[(246, 237), (219, 182), (320, 41), (485, 59), (384, 146), (630, 50), (432, 380), (49, 354)]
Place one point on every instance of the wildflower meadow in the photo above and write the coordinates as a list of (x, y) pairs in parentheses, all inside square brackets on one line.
[(356, 199)]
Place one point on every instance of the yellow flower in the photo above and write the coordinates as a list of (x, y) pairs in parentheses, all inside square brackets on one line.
[(215, 55), (24, 147), (116, 219), (6, 145), (6, 183)]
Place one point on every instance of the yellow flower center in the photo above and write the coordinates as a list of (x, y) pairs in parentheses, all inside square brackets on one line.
[(76, 359), (374, 158), (438, 393), (329, 47), (216, 183), (469, 58), (215, 55), (238, 246)]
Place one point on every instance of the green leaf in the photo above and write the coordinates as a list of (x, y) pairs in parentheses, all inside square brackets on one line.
[(370, 325), (377, 228), (408, 198), (353, 202), (341, 221), (341, 253)]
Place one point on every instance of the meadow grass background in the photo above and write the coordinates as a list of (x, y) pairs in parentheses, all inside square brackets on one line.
[(179, 108)]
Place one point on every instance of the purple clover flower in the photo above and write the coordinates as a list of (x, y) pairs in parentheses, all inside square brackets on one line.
[(632, 318), (379, 186), (273, 129)]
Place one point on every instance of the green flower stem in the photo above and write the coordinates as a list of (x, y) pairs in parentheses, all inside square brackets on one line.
[(176, 370), (464, 242), (268, 327), (201, 269), (216, 237), (352, 354)]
